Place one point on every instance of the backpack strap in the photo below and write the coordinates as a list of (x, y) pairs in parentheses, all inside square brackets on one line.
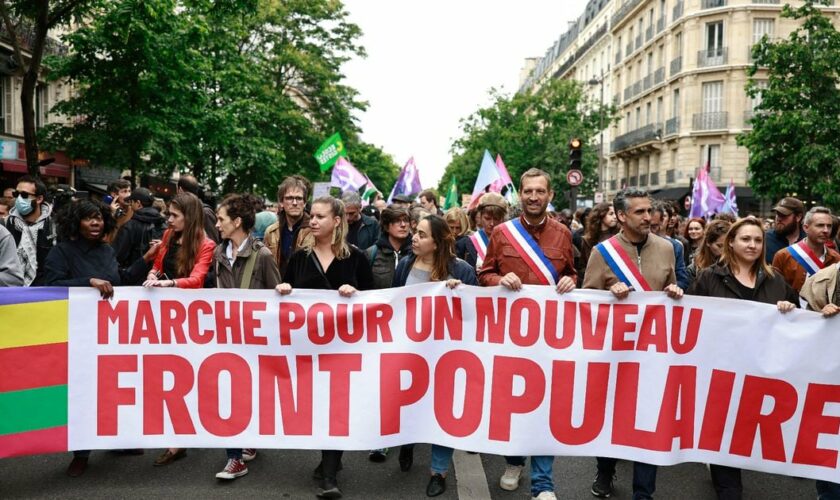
[(249, 269)]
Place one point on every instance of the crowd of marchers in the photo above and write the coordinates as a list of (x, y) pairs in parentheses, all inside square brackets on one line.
[(634, 243)]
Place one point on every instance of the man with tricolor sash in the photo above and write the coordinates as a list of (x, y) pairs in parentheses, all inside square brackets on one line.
[(632, 260), (532, 249), (492, 211), (810, 254)]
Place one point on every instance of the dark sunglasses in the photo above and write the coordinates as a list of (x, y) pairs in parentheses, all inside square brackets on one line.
[(23, 194)]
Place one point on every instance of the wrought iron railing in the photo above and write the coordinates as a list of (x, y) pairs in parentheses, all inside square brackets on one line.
[(710, 121)]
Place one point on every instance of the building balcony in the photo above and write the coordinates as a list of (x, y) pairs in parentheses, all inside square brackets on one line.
[(677, 12), (647, 83), (639, 41), (710, 121), (628, 49), (649, 33), (676, 66), (660, 24), (628, 92), (622, 12), (771, 2), (712, 4), (648, 133), (659, 76), (715, 56), (672, 126), (637, 88)]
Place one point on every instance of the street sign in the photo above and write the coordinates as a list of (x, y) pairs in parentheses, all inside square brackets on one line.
[(574, 177), (599, 197)]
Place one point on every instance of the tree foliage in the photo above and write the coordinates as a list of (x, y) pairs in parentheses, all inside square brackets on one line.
[(31, 20), (794, 143), (238, 92), (531, 130)]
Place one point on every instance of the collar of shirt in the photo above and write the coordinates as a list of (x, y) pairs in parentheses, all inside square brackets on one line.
[(534, 228), (229, 251)]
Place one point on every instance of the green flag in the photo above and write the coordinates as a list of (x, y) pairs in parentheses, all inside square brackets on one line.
[(452, 196), (330, 151)]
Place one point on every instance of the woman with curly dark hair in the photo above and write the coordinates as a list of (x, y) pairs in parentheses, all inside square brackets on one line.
[(601, 224), (82, 258)]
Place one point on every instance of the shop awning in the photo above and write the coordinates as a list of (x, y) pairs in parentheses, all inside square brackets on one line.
[(53, 170)]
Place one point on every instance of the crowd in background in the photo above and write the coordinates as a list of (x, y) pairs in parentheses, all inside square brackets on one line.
[(133, 238)]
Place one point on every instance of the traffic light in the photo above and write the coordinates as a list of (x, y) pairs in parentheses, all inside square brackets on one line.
[(575, 154)]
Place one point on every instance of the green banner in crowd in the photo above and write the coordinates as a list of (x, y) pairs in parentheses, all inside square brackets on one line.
[(452, 196), (330, 151)]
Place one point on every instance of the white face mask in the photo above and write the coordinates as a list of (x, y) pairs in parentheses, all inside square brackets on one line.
[(24, 205)]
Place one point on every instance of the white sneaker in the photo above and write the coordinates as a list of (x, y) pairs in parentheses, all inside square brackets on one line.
[(510, 479), (248, 454), (545, 495), (233, 469)]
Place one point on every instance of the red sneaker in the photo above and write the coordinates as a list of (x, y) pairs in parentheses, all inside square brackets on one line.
[(233, 469)]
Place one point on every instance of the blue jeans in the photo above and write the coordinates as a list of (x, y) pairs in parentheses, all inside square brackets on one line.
[(234, 453), (644, 477), (828, 491), (441, 458), (541, 478)]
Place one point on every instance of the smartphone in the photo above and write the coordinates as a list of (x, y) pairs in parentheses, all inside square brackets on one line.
[(108, 199)]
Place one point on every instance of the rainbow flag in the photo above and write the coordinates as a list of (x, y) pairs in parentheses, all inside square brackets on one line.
[(33, 371)]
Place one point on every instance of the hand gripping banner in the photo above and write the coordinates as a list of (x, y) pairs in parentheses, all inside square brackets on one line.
[(512, 373)]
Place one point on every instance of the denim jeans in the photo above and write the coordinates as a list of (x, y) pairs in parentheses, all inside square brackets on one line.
[(541, 479), (234, 453), (828, 491), (441, 458), (644, 477)]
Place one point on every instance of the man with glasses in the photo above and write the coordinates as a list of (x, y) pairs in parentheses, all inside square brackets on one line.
[(362, 230), (787, 227), (32, 228), (281, 237)]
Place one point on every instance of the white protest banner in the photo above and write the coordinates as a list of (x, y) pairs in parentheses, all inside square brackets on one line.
[(484, 369)]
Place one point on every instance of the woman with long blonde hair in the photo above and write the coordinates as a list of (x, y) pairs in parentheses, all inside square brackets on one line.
[(325, 261)]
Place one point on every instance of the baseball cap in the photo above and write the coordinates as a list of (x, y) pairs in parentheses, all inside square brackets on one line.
[(142, 195), (789, 205)]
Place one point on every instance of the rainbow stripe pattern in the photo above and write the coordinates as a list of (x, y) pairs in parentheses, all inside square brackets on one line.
[(33, 370)]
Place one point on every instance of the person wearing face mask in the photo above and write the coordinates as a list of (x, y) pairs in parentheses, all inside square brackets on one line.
[(32, 228)]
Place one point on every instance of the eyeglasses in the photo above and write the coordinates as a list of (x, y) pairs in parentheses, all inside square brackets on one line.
[(293, 199), (23, 194), (401, 222)]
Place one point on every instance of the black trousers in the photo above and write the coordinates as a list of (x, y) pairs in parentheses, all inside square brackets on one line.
[(727, 482), (330, 460)]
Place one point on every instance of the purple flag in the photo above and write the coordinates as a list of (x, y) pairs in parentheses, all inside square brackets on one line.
[(731, 204), (346, 177), (408, 182), (706, 199)]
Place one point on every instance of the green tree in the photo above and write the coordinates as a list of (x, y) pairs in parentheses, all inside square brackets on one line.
[(31, 20), (794, 143), (237, 92), (531, 130)]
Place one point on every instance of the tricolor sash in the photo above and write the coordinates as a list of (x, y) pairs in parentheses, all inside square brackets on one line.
[(806, 257), (622, 265), (530, 251), (480, 240)]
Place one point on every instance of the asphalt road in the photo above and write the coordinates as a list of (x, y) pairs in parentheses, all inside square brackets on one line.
[(287, 474)]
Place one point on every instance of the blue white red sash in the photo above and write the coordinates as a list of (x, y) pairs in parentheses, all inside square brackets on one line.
[(806, 257), (622, 265), (480, 240), (530, 251)]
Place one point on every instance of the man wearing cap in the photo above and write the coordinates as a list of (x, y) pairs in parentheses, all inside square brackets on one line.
[(135, 237), (402, 201), (787, 226), (492, 210), (810, 254), (532, 249)]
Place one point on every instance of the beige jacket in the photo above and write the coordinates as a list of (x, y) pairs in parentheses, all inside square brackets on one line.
[(819, 289), (656, 262)]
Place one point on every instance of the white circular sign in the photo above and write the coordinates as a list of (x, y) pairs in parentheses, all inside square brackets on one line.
[(574, 177)]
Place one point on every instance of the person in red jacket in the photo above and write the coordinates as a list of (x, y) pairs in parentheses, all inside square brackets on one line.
[(183, 260), (186, 252)]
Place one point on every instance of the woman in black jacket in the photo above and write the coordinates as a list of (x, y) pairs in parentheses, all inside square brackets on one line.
[(324, 261), (433, 259), (742, 274)]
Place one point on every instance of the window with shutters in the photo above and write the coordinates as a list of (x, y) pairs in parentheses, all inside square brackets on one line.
[(712, 97), (710, 156), (763, 26), (714, 44), (6, 104), (42, 105)]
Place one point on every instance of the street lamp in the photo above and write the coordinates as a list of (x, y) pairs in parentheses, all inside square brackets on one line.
[(602, 183)]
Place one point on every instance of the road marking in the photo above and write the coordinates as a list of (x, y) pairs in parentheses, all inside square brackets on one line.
[(472, 481)]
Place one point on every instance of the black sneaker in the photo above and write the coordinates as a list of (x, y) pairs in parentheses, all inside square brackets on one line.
[(436, 486), (602, 487), (378, 456)]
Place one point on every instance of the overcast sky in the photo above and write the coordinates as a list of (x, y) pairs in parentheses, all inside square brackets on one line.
[(431, 63)]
